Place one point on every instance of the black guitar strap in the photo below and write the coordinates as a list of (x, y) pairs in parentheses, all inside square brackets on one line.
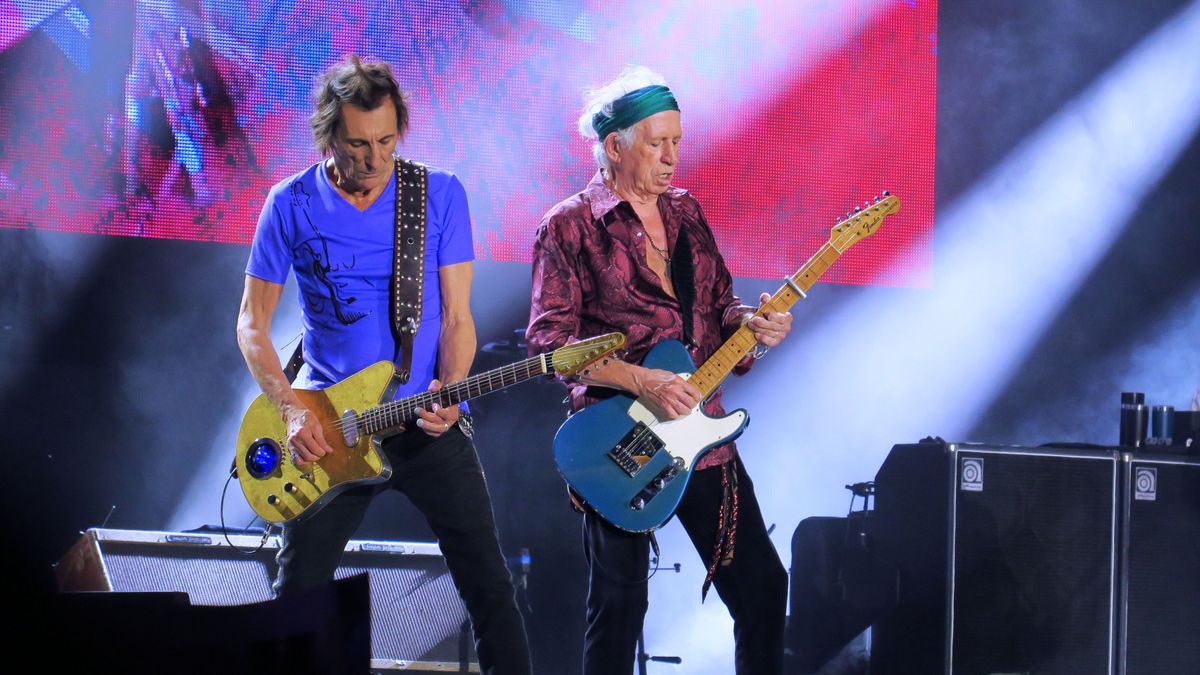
[(408, 259), (683, 278), (408, 267)]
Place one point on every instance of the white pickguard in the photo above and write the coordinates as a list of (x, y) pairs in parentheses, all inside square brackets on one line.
[(686, 437)]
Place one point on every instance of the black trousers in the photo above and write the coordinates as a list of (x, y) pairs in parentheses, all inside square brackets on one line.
[(444, 480), (753, 586)]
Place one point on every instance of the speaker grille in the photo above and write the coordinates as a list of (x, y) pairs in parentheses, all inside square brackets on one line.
[(416, 612), (1033, 563), (210, 576), (1006, 560), (1162, 566)]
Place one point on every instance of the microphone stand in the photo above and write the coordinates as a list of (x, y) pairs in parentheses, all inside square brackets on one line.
[(642, 656)]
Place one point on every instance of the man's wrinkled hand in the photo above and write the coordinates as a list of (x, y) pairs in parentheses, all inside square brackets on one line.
[(673, 395), (437, 420), (306, 438)]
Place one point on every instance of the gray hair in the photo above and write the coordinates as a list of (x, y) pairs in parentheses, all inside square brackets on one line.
[(362, 84), (600, 100)]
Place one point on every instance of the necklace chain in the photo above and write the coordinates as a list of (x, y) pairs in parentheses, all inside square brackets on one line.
[(661, 251)]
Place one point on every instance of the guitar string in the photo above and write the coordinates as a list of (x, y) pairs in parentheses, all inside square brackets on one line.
[(640, 442), (643, 440), (385, 412)]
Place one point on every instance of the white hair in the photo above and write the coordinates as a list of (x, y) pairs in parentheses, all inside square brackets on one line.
[(600, 100)]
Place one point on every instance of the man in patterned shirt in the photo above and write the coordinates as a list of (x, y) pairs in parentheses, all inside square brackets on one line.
[(631, 253)]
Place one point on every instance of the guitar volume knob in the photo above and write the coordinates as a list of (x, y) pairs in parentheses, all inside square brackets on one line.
[(289, 488), (272, 500)]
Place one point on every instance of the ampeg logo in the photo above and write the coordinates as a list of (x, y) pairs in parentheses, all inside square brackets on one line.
[(1145, 483), (971, 477)]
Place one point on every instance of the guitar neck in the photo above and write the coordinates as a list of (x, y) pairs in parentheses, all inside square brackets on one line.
[(396, 413), (713, 372)]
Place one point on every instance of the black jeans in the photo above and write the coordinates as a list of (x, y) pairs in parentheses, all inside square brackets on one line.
[(444, 479), (753, 586)]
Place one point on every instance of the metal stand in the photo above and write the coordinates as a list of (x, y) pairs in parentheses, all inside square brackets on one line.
[(642, 657)]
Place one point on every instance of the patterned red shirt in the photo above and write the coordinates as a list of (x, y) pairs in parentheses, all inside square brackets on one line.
[(590, 277)]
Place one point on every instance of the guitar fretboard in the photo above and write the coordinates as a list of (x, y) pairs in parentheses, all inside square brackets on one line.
[(404, 411), (718, 366)]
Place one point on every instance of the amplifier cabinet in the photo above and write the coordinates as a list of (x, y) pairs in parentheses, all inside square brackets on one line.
[(418, 621), (1007, 560), (1160, 565)]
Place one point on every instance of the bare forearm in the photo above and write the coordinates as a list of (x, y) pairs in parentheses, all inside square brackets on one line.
[(616, 374), (264, 366), (456, 348)]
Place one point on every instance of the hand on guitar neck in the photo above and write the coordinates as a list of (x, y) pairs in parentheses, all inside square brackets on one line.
[(437, 420), (769, 327)]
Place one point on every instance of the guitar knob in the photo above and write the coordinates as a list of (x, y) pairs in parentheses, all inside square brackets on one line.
[(289, 488), (272, 500), (639, 504), (658, 483)]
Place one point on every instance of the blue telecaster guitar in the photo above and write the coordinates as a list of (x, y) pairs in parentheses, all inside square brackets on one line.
[(631, 465)]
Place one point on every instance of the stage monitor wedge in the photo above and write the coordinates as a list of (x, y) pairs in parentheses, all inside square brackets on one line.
[(418, 622)]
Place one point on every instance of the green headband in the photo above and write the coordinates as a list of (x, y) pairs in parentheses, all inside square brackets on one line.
[(632, 108)]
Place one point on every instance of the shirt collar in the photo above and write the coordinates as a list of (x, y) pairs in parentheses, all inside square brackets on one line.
[(602, 199)]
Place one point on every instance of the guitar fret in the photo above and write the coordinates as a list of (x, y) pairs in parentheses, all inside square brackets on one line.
[(718, 366), (395, 413)]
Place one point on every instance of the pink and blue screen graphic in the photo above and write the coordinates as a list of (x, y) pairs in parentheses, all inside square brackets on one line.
[(172, 118)]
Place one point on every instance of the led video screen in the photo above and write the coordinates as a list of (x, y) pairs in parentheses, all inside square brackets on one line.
[(172, 118)]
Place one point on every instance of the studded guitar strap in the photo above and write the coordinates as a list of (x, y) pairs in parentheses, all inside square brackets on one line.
[(408, 267)]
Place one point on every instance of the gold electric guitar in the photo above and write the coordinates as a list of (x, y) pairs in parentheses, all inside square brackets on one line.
[(356, 414)]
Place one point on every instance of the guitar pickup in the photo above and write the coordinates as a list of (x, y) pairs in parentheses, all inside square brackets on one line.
[(635, 449), (656, 485), (350, 428)]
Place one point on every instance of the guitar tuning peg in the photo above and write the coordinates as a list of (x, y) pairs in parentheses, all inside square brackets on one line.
[(857, 209), (886, 193)]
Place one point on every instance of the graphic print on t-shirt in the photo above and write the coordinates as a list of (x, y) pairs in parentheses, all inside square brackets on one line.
[(314, 254)]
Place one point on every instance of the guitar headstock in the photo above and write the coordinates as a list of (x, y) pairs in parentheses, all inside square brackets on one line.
[(864, 220), (572, 358)]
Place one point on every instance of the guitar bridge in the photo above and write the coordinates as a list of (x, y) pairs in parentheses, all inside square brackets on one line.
[(635, 449)]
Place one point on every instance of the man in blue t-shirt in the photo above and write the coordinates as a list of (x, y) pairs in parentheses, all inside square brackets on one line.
[(333, 225)]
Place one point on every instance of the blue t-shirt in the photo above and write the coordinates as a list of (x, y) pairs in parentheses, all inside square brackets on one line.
[(342, 258)]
